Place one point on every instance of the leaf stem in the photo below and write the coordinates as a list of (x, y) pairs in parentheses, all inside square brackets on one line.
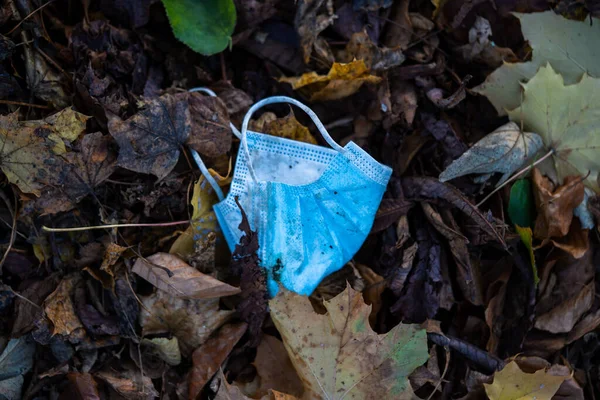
[(515, 176), (85, 228)]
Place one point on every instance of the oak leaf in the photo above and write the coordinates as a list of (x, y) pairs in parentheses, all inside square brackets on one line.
[(181, 280), (338, 354)]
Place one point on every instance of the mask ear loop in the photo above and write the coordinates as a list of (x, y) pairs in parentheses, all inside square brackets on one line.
[(207, 175), (282, 99)]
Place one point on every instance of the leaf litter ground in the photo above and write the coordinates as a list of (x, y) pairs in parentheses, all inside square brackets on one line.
[(461, 290)]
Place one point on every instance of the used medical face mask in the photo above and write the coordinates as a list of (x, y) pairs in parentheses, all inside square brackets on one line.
[(311, 206)]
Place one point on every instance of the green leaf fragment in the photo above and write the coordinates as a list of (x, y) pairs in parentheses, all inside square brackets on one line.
[(520, 205), (527, 238), (205, 26)]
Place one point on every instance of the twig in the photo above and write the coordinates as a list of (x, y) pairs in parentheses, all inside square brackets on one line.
[(85, 228), (515, 176), (30, 14), (443, 375), (20, 103), (13, 232)]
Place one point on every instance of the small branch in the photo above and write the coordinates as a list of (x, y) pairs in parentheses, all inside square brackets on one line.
[(515, 176), (86, 228), (13, 232), (30, 14), (20, 103)]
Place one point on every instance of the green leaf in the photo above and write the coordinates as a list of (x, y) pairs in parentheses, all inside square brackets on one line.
[(570, 46), (566, 117), (527, 238), (520, 204), (205, 26)]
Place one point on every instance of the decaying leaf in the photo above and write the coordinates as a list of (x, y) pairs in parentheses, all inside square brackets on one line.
[(129, 383), (15, 361), (30, 152), (480, 47), (167, 349), (312, 17), (563, 317), (568, 46), (343, 80), (555, 205), (182, 280), (232, 392), (361, 47), (151, 140), (60, 310), (566, 119), (504, 150), (513, 384), (338, 354), (83, 386), (287, 127), (209, 357), (192, 321), (211, 135)]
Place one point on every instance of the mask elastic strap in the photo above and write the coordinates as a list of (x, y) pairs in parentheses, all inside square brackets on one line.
[(282, 99), (209, 178)]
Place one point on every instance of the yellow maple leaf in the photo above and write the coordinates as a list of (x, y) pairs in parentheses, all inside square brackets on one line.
[(341, 81), (513, 384)]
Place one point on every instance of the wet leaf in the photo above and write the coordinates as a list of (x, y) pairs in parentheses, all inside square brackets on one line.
[(130, 384), (30, 152), (343, 80), (192, 321), (181, 280), (565, 117), (555, 205), (206, 27), (338, 354), (151, 140), (504, 150), (567, 46), (513, 384), (15, 361), (209, 357)]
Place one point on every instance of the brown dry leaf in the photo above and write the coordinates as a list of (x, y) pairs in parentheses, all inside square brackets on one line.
[(288, 127), (111, 255), (210, 135), (343, 80), (60, 310), (232, 392), (361, 47), (185, 281), (555, 205), (151, 140), (26, 313), (375, 285), (513, 384), (30, 152), (192, 321), (577, 241), (338, 354), (83, 386), (208, 358), (312, 17), (564, 316), (129, 383), (274, 369)]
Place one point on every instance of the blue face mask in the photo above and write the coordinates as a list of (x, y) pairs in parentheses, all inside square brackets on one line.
[(311, 206)]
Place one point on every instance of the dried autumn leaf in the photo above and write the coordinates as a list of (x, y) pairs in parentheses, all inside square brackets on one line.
[(288, 127), (563, 317), (568, 46), (192, 321), (343, 80), (129, 383), (513, 384), (83, 386), (167, 349), (232, 392), (16, 360), (504, 150), (60, 310), (338, 354), (361, 47), (566, 119), (30, 152), (211, 135), (555, 205), (151, 140), (182, 280), (209, 357)]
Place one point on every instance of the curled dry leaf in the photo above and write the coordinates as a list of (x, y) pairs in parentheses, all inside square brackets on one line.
[(208, 358), (181, 280), (564, 316), (504, 150), (343, 80), (151, 140), (288, 127), (211, 135), (565, 117), (513, 384), (83, 386), (129, 383), (192, 321), (338, 354), (555, 205), (232, 392), (313, 17), (361, 47)]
